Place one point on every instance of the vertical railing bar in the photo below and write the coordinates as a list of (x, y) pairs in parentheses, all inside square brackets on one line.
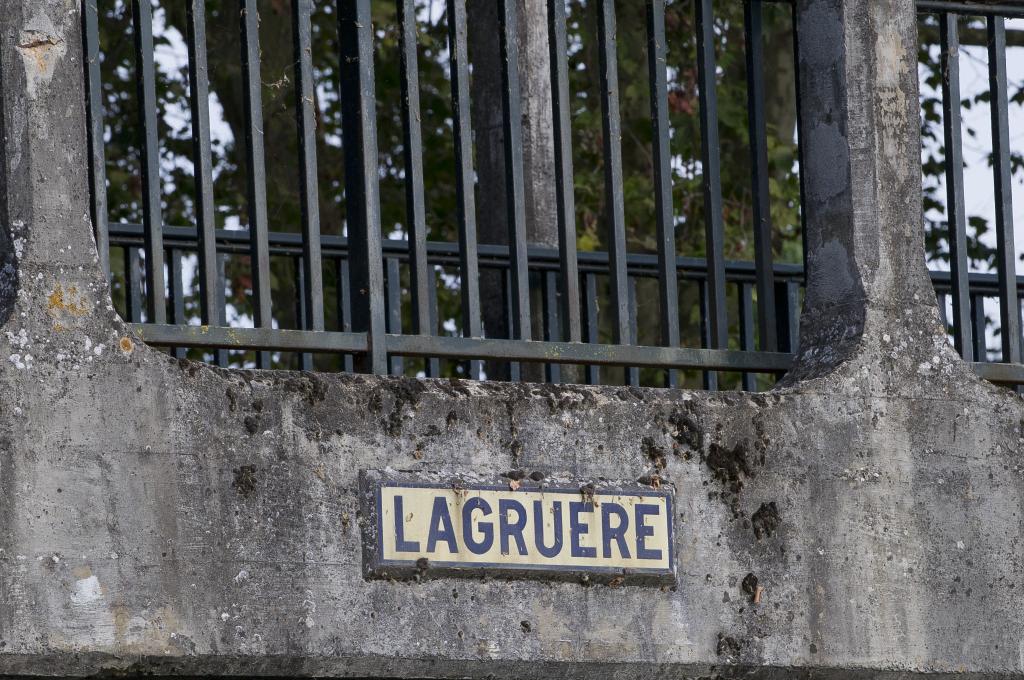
[(553, 325), (564, 185), (794, 18), (1006, 256), (614, 205), (979, 326), (956, 212), (632, 373), (793, 314), (152, 215), (199, 96), (763, 261), (709, 378), (783, 340), (464, 176), (432, 365), (256, 180), (177, 290), (593, 373), (394, 309), (302, 310), (512, 128), (420, 273), (133, 286), (94, 126), (940, 300), (305, 118), (514, 368), (345, 308), (711, 172), (745, 291), (1020, 340), (359, 138), (221, 311), (664, 217)]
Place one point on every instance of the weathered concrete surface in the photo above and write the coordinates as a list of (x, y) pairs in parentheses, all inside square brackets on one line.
[(171, 517)]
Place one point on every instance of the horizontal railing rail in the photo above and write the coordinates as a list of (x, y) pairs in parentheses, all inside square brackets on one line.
[(977, 8), (235, 241), (428, 346)]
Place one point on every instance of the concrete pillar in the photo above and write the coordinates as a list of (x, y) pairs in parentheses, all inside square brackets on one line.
[(43, 154), (860, 135)]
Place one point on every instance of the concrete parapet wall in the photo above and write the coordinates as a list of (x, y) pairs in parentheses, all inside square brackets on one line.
[(167, 516)]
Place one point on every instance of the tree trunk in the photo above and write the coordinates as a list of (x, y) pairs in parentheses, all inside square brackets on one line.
[(538, 154)]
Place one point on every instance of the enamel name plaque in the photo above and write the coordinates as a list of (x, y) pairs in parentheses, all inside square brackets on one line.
[(427, 529)]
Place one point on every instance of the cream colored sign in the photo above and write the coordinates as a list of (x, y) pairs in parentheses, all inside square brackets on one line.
[(525, 529)]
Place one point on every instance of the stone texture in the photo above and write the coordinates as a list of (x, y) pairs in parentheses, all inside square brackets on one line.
[(166, 516)]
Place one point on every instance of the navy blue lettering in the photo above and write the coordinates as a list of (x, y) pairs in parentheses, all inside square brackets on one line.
[(578, 529), (616, 533), (402, 545), (486, 528), (538, 528), (507, 529), (441, 528), (642, 511)]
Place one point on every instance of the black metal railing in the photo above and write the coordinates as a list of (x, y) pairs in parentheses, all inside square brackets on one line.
[(544, 272), (373, 303), (968, 324), (368, 271)]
